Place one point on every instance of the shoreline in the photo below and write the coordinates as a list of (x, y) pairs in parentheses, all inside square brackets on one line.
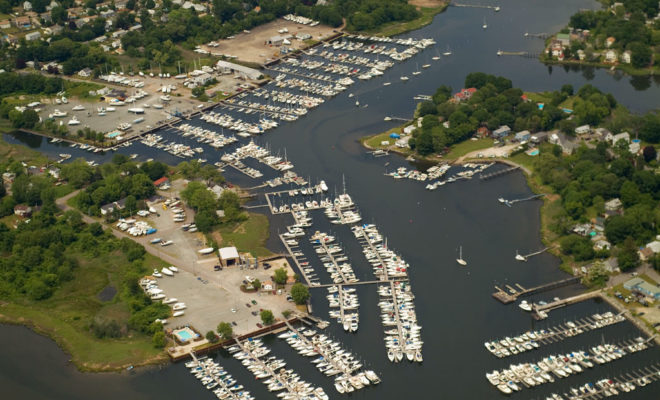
[(625, 68)]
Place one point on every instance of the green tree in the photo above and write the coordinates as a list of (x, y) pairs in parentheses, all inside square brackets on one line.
[(211, 337), (159, 340), (628, 257), (299, 293), (256, 284), (267, 317), (225, 330), (280, 276)]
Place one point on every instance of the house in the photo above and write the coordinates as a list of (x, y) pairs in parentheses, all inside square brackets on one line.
[(85, 72), (268, 285), (582, 130), (46, 16), (501, 132), (645, 254), (5, 24), (228, 256), (483, 132), (581, 54), (8, 178), (613, 205), (107, 14), (556, 49), (162, 181), (582, 229), (654, 246), (609, 42), (55, 29), (611, 56), (564, 39), (601, 133), (523, 136), (110, 207), (409, 129), (23, 22), (639, 285), (217, 190), (614, 139), (464, 94), (33, 36), (22, 210), (625, 57), (202, 79), (634, 147)]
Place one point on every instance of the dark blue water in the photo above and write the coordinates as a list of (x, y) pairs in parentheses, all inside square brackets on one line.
[(454, 305)]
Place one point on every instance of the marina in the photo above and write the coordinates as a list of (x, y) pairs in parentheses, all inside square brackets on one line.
[(518, 376), (346, 300), (213, 376), (531, 340)]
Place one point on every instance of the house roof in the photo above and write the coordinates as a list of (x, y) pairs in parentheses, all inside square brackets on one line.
[(228, 253), (160, 181)]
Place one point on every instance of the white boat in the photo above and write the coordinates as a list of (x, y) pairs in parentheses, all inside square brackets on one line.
[(179, 306), (73, 121), (58, 114), (497, 8), (447, 53), (460, 259), (404, 78), (387, 84), (79, 107), (110, 109), (167, 243), (166, 271), (158, 296), (155, 240), (484, 25), (323, 186), (170, 300), (525, 305), (520, 257), (136, 110), (426, 66), (207, 250), (178, 313), (173, 268)]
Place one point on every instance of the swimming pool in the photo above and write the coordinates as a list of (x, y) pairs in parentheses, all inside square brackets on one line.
[(112, 134), (184, 335), (534, 152)]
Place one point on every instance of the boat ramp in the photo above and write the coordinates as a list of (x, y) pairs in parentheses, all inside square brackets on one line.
[(513, 294)]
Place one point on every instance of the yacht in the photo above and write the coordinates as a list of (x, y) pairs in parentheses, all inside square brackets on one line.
[(78, 108), (484, 25), (426, 66), (74, 121), (460, 259), (447, 53), (404, 78), (58, 114), (525, 305)]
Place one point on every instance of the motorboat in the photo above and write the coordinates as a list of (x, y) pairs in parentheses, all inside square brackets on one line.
[(525, 305), (58, 114), (73, 121), (484, 25), (79, 107), (154, 241), (173, 268), (178, 313), (404, 78), (460, 259), (166, 271)]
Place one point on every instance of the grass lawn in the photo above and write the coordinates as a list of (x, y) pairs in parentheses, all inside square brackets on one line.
[(395, 28), (248, 236), (375, 140), (67, 314), (467, 146), (81, 90)]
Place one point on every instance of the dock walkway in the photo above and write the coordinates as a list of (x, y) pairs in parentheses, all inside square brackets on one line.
[(504, 171), (231, 394), (266, 368), (295, 260), (368, 243), (507, 298), (541, 312)]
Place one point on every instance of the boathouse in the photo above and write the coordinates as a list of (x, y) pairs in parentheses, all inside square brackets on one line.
[(228, 256)]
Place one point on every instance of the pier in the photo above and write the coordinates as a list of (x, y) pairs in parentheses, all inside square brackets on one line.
[(266, 367), (507, 298), (623, 383), (211, 370), (297, 262), (504, 171), (366, 241), (345, 277), (521, 257), (537, 35), (494, 8), (541, 312), (395, 301), (509, 203)]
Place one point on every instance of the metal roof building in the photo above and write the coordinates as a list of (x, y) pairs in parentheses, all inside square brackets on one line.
[(239, 69)]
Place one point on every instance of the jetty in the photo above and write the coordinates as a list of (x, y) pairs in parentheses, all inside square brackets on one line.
[(500, 172), (366, 242), (541, 312), (346, 276), (513, 294), (537, 35)]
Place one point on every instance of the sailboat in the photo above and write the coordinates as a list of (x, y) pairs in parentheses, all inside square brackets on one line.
[(447, 53), (520, 257), (437, 56), (417, 71), (460, 259), (484, 25)]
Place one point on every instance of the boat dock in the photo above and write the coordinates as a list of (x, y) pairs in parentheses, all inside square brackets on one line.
[(504, 171), (623, 383), (296, 261), (508, 203), (537, 35), (531, 340), (211, 371), (521, 257), (513, 294), (266, 367), (366, 242), (346, 276), (541, 312)]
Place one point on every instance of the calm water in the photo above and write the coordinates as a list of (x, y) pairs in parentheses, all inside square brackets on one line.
[(454, 305)]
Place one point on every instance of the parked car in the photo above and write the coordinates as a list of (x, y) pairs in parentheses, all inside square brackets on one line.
[(234, 323), (254, 313), (248, 305), (254, 302), (259, 325), (217, 268)]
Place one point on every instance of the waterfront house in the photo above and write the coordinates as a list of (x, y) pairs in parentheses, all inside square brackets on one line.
[(85, 72), (22, 210), (613, 205), (581, 54), (611, 56), (228, 256), (501, 132), (23, 22), (464, 94), (625, 57), (523, 136)]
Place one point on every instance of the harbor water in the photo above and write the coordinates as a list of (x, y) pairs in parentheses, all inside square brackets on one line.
[(453, 304)]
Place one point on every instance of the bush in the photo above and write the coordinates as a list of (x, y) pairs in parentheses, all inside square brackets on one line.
[(300, 293), (267, 317), (211, 337), (159, 340), (225, 330)]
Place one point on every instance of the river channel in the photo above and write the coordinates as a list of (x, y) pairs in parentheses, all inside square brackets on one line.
[(454, 305)]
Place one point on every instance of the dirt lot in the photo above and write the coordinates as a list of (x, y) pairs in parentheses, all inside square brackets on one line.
[(252, 47)]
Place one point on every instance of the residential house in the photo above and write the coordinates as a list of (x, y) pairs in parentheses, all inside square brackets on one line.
[(33, 36), (501, 132), (464, 94), (625, 57), (268, 285), (55, 29), (645, 254), (22, 210), (654, 246), (5, 24), (614, 139), (46, 17), (85, 72), (584, 129), (581, 54), (602, 133), (115, 205), (483, 132), (602, 245), (23, 22), (611, 56), (107, 14), (217, 190), (556, 49), (609, 42), (582, 229), (523, 136), (613, 205)]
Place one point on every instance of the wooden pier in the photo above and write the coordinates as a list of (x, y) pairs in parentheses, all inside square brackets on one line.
[(504, 171), (541, 312), (218, 380), (513, 294), (495, 8), (296, 261), (265, 367)]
